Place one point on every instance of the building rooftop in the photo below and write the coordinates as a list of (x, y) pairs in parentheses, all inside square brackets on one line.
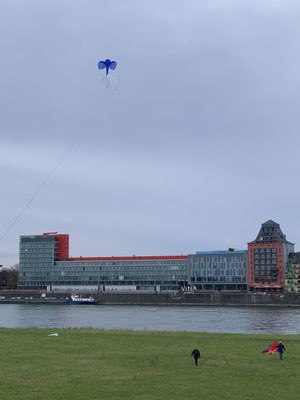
[(222, 252), (270, 232), (130, 258)]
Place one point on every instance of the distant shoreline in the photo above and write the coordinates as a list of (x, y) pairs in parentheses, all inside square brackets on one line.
[(159, 299)]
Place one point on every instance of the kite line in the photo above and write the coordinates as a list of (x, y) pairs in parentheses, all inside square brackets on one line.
[(108, 81), (37, 191)]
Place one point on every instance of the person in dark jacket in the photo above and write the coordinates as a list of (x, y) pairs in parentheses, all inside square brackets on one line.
[(281, 349), (196, 354)]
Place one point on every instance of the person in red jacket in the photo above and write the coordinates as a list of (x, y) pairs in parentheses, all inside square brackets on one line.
[(196, 354)]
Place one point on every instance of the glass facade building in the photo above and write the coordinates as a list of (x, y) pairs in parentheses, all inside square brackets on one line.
[(44, 264), (139, 273), (218, 270), (37, 256)]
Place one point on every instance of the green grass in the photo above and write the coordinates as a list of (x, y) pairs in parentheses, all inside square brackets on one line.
[(124, 365)]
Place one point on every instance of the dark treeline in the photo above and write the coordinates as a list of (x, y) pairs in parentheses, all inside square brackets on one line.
[(9, 277)]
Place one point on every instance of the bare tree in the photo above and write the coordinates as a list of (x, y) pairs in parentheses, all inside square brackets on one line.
[(9, 277)]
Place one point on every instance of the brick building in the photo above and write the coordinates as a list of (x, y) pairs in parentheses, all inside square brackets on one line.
[(267, 259)]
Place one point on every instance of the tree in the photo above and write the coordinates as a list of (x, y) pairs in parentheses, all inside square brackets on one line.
[(9, 277)]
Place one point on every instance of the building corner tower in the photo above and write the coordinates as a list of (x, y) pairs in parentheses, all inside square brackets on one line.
[(267, 259)]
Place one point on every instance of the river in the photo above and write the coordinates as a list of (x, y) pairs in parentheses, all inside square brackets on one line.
[(271, 320)]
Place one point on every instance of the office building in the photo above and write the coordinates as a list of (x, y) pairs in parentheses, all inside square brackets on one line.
[(218, 270), (45, 264)]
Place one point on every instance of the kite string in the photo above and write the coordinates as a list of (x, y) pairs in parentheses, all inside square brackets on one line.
[(37, 191)]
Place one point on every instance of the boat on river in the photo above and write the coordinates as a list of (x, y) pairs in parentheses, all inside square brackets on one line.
[(76, 299)]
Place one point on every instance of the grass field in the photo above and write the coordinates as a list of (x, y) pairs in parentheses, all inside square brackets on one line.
[(116, 365)]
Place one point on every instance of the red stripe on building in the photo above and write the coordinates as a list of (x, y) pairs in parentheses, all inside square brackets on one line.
[(128, 258)]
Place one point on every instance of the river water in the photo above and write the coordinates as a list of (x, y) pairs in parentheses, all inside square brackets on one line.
[(171, 318)]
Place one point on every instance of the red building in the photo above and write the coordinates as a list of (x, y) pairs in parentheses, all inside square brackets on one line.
[(267, 259)]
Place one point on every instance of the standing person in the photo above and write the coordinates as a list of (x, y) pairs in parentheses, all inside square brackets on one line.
[(196, 354), (281, 349)]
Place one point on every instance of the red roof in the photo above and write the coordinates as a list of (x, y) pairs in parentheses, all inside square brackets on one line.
[(128, 258)]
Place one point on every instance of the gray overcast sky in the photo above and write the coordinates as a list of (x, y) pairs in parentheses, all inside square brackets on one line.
[(195, 150)]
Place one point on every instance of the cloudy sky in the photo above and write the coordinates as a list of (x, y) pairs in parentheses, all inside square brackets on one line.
[(197, 147)]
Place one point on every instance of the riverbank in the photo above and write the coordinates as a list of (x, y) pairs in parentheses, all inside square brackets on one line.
[(98, 364), (176, 298), (198, 299)]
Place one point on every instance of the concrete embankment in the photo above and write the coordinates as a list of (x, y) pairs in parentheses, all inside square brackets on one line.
[(204, 299), (17, 297), (165, 299)]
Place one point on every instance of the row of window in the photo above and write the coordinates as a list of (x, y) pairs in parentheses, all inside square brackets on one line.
[(36, 283), (218, 279), (36, 245), (229, 271), (266, 267), (123, 268), (221, 265), (70, 276), (267, 256), (197, 259), (266, 250), (262, 262), (76, 264), (144, 268), (37, 258), (218, 286), (34, 252)]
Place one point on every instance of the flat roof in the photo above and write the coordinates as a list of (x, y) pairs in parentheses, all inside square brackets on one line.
[(127, 258), (216, 252)]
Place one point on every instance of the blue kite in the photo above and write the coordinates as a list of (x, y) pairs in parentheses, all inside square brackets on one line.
[(107, 64)]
